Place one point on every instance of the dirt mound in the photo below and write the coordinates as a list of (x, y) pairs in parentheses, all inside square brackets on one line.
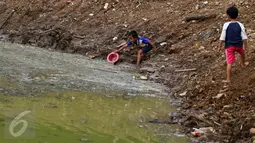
[(95, 27)]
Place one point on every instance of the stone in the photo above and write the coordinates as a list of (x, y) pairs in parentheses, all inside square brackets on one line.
[(220, 95), (204, 2), (144, 19), (161, 39), (227, 106), (163, 68), (147, 69), (115, 38), (143, 77), (163, 43), (197, 7), (84, 139), (253, 138), (252, 131), (106, 6), (183, 94)]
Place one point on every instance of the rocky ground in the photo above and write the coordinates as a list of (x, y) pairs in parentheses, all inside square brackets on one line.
[(95, 28)]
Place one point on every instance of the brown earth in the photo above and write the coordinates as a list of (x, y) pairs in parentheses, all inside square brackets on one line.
[(70, 27)]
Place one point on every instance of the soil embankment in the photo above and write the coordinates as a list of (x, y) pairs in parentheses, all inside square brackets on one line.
[(86, 27)]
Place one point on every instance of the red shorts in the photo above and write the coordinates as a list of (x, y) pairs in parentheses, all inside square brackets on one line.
[(230, 53)]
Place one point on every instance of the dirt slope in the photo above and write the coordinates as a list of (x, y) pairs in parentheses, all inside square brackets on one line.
[(86, 27)]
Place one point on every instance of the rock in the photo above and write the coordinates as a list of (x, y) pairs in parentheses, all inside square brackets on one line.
[(106, 6), (204, 2), (160, 39), (227, 106), (115, 38), (163, 43), (92, 57), (252, 131), (201, 48), (166, 59), (144, 19), (147, 69), (84, 139), (197, 7), (140, 126), (220, 95), (143, 77), (162, 68), (183, 94), (253, 138)]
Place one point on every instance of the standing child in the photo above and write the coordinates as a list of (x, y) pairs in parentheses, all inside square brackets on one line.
[(235, 38), (143, 44)]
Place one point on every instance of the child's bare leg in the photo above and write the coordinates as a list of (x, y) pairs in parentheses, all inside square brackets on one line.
[(242, 57), (243, 63), (229, 67), (139, 56)]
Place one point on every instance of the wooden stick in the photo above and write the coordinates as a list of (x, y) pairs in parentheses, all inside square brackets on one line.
[(80, 37), (200, 17), (186, 70)]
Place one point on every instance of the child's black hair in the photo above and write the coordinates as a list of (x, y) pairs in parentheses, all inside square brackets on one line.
[(232, 12), (133, 33)]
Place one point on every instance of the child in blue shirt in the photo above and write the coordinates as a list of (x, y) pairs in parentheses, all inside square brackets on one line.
[(143, 44)]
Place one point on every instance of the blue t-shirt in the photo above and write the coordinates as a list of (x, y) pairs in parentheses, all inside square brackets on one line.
[(141, 42), (233, 33)]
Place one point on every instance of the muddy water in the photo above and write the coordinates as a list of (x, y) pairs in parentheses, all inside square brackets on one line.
[(64, 98), (78, 116)]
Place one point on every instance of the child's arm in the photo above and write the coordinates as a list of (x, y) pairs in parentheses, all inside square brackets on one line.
[(220, 45), (245, 44), (153, 46), (121, 48), (223, 36)]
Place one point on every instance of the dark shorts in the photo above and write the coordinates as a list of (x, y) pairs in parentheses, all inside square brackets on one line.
[(146, 49)]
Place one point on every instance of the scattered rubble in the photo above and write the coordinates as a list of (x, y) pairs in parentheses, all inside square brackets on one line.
[(183, 44)]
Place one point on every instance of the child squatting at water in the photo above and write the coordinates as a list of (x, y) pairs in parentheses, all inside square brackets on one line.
[(143, 44)]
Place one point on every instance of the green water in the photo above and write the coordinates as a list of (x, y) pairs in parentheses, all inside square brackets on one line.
[(75, 117)]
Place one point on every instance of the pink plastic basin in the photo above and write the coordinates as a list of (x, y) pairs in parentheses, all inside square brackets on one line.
[(113, 57)]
